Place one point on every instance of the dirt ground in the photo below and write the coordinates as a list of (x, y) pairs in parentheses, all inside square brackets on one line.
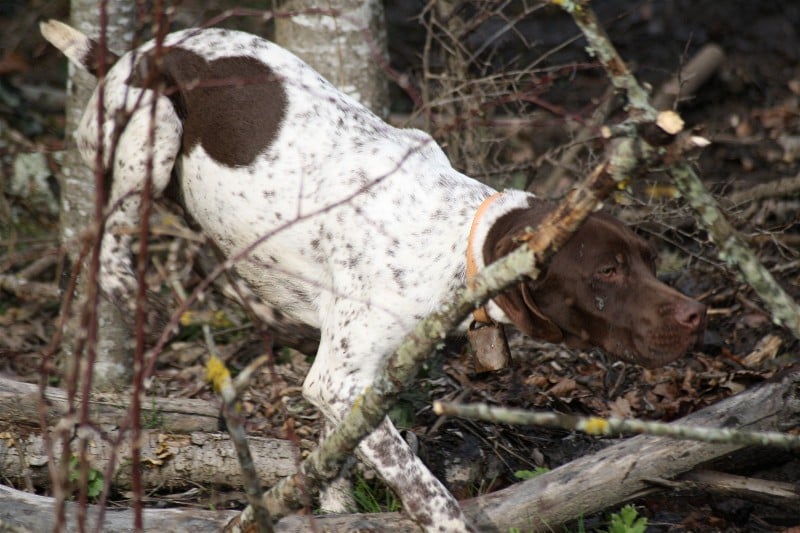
[(750, 111)]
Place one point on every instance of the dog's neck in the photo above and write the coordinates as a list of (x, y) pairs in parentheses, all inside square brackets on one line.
[(490, 211)]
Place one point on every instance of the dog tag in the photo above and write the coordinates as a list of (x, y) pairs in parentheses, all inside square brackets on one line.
[(489, 346)]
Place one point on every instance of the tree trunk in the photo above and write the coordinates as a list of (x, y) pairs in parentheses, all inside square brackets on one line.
[(348, 48), (113, 364)]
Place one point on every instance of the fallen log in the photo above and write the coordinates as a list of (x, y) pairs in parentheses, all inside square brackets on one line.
[(169, 461), (20, 403), (776, 493), (186, 449), (606, 479), (629, 470), (34, 513)]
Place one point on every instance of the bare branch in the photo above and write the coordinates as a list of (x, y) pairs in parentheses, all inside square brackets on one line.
[(220, 377), (595, 425)]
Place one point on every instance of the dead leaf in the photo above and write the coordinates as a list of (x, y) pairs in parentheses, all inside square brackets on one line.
[(766, 349), (563, 387), (537, 380), (733, 386), (670, 122), (666, 390), (621, 408)]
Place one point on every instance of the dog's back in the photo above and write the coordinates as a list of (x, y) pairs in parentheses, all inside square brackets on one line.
[(317, 170)]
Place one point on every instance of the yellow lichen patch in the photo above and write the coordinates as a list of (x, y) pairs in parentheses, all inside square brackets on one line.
[(596, 426), (187, 318), (216, 373), (215, 319)]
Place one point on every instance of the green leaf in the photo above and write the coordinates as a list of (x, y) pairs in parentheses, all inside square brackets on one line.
[(530, 474), (627, 521)]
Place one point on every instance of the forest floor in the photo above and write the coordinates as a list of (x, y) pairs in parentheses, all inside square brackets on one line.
[(749, 109)]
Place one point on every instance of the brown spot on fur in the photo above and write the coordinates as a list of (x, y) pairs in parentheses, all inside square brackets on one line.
[(232, 106)]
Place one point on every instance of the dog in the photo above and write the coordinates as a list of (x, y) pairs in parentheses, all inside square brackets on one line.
[(346, 224)]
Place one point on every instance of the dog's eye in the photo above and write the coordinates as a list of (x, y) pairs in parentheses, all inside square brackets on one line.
[(608, 271)]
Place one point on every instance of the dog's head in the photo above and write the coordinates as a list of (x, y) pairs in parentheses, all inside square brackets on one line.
[(599, 290)]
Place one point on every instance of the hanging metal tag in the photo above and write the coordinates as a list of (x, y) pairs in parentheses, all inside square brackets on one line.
[(489, 346)]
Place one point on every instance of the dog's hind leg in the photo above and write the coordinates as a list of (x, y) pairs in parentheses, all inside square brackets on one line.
[(146, 149)]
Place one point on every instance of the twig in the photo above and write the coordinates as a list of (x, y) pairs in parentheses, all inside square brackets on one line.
[(733, 250), (680, 87), (600, 46), (694, 74), (219, 376), (772, 189), (39, 266), (594, 425), (29, 290), (571, 152)]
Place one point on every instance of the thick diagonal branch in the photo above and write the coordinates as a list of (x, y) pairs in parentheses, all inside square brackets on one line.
[(370, 408)]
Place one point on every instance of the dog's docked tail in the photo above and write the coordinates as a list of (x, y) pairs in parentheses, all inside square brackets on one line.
[(80, 49)]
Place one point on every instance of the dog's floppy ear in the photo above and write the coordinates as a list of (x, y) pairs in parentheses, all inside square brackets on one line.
[(517, 303)]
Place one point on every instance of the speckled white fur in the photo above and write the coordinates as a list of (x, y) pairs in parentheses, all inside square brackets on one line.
[(344, 223)]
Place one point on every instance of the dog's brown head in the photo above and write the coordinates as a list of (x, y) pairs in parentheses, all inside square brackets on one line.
[(599, 290)]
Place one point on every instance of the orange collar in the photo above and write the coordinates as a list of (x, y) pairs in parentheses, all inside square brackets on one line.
[(480, 314)]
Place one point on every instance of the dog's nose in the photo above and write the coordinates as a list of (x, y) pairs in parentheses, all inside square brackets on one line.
[(690, 314)]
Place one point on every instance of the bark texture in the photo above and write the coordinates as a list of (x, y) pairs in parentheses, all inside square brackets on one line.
[(171, 462), (20, 404), (347, 45), (77, 182)]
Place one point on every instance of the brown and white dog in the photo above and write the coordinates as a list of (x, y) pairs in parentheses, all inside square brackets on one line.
[(347, 224)]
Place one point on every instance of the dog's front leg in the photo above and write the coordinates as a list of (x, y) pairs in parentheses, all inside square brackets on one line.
[(337, 495), (424, 497), (347, 362)]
